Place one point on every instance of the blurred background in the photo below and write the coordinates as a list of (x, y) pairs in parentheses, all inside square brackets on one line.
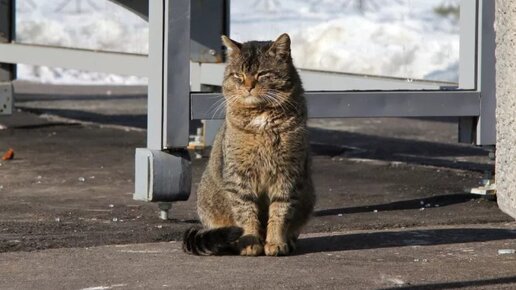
[(410, 39)]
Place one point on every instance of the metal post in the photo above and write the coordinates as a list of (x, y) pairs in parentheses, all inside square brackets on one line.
[(486, 71), (468, 63), (7, 34), (7, 71), (468, 45), (162, 170), (169, 78)]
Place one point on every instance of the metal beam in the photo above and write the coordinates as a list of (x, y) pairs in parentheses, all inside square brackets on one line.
[(82, 59), (313, 80), (365, 104)]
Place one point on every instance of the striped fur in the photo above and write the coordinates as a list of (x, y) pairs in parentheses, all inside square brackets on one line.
[(258, 177), (211, 242)]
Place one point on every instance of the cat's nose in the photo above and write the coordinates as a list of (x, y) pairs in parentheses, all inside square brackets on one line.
[(249, 83)]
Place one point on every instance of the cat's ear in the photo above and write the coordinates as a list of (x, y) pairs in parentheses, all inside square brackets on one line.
[(233, 46), (281, 47)]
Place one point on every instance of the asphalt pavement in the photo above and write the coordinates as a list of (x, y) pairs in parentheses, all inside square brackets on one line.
[(393, 206)]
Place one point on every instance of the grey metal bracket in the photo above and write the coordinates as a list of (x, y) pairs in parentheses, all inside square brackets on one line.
[(6, 98), (162, 176)]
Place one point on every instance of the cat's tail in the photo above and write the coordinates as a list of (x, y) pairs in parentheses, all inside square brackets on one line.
[(211, 242)]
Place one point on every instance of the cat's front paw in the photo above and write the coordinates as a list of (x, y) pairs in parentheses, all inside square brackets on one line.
[(250, 246), (276, 249)]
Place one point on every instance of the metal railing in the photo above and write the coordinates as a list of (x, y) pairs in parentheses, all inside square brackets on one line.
[(185, 54)]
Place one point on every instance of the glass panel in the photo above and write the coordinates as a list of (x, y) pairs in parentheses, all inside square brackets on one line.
[(90, 24), (87, 24), (400, 40)]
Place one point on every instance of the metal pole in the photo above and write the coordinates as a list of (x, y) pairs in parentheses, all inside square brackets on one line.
[(7, 35), (486, 127), (468, 63), (162, 170), (169, 77)]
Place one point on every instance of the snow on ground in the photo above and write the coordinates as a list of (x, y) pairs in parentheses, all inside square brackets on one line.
[(401, 38)]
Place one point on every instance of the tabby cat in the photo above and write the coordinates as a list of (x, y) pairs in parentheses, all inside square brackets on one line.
[(256, 192)]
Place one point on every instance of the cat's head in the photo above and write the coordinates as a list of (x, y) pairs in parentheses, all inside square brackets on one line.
[(259, 73)]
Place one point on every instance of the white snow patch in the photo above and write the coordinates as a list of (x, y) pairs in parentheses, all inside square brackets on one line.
[(402, 38)]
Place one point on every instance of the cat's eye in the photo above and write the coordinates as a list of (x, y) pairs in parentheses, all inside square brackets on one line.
[(237, 77), (263, 74)]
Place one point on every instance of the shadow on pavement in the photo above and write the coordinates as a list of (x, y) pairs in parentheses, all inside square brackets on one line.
[(440, 201), (459, 284), (130, 120), (397, 149), (363, 241)]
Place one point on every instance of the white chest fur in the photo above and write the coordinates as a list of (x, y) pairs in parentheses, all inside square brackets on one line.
[(260, 121)]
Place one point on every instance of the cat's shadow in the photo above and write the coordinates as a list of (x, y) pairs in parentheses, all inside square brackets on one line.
[(434, 201), (389, 239)]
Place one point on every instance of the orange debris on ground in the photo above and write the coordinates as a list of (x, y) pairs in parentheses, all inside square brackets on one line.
[(8, 155)]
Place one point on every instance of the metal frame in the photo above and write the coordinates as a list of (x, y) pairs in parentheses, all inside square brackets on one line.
[(175, 41), (7, 70), (474, 100)]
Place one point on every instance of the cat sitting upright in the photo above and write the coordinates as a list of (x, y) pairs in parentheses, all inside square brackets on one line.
[(256, 192)]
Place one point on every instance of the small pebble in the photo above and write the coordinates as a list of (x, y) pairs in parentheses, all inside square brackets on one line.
[(92, 177), (375, 211), (159, 226), (115, 219), (111, 205), (81, 179), (421, 209), (339, 214), (436, 205), (506, 251), (57, 219), (428, 205), (421, 202)]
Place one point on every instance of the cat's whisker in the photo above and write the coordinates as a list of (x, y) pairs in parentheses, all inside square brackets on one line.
[(285, 103), (278, 104), (285, 100), (216, 104), (220, 105)]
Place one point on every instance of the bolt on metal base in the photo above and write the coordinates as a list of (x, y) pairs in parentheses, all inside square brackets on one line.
[(487, 186), (164, 208)]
